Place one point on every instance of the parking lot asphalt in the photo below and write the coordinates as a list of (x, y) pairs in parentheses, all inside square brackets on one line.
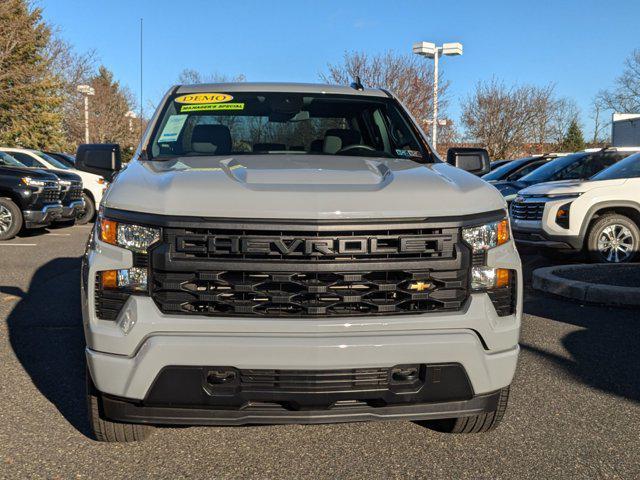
[(574, 411)]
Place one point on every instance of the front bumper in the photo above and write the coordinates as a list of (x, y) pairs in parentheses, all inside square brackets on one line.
[(72, 210), (42, 218), (531, 233), (131, 412), (127, 355)]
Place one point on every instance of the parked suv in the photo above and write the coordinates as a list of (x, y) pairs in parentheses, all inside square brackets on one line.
[(580, 165), (600, 215), (92, 185), (291, 253), (29, 198)]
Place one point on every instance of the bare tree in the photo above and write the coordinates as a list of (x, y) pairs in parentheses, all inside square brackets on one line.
[(518, 119), (564, 112), (191, 76), (407, 76), (600, 124), (625, 95), (72, 69)]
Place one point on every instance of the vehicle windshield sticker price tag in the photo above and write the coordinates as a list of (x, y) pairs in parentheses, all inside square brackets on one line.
[(172, 128), (408, 153), (201, 98), (212, 106)]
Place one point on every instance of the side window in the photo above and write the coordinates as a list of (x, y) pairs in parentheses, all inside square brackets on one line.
[(25, 159), (600, 162), (525, 170)]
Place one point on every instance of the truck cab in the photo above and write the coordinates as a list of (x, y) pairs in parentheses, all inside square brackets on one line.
[(294, 253)]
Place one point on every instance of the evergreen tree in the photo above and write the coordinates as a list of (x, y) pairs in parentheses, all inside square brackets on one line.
[(573, 140), (30, 102)]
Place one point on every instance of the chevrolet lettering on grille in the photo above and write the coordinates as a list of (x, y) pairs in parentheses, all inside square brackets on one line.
[(299, 246)]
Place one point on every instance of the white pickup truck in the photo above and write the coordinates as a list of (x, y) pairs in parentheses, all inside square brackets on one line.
[(293, 253)]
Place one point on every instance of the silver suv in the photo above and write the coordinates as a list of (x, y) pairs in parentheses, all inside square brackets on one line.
[(287, 253)]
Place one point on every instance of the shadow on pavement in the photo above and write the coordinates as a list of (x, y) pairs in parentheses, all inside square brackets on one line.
[(45, 331), (605, 353)]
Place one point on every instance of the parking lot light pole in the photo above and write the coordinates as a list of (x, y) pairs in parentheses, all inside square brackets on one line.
[(86, 90), (430, 50), (131, 115)]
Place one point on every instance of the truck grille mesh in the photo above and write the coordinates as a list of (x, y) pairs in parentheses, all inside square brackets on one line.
[(527, 210), (72, 194), (50, 195), (315, 381), (293, 271), (276, 294)]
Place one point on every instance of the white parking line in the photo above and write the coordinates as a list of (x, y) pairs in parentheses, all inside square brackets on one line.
[(58, 234), (18, 244)]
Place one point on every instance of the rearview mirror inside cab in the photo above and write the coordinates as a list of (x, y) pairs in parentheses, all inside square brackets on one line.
[(473, 160), (102, 159)]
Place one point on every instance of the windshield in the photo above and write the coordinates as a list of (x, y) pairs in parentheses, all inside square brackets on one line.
[(504, 170), (8, 161), (627, 168), (276, 123), (558, 169), (53, 161)]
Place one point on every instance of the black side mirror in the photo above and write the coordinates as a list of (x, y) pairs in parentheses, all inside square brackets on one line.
[(102, 159), (473, 160)]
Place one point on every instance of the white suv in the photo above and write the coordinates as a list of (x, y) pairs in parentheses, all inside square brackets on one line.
[(600, 215), (94, 185)]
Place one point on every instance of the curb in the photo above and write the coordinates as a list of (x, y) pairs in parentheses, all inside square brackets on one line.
[(546, 280)]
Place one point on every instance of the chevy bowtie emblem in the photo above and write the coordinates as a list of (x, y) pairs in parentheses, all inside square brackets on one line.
[(420, 286)]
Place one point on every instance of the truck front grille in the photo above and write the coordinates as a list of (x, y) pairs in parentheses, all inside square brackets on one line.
[(313, 380), (309, 271), (527, 210), (72, 194), (277, 294), (50, 194)]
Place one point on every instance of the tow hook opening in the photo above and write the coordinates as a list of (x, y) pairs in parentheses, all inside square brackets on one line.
[(221, 376), (405, 374)]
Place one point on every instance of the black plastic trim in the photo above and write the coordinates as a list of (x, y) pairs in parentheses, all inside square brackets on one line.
[(122, 410)]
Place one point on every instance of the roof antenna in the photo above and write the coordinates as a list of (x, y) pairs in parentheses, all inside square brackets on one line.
[(357, 84)]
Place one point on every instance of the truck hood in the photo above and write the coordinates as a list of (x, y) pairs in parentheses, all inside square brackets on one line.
[(508, 187), (29, 172), (311, 187), (66, 175), (569, 186)]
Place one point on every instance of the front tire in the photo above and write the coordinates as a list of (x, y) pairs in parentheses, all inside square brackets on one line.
[(474, 424), (89, 210), (10, 219), (107, 431), (613, 238)]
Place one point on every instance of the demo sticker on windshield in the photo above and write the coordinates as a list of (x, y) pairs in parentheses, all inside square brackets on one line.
[(208, 107), (201, 98), (172, 128)]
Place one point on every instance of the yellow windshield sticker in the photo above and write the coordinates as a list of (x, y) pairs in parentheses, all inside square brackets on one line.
[(207, 107), (202, 98)]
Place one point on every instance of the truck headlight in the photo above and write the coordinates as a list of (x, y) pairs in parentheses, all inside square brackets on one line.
[(32, 182), (136, 238), (132, 279), (486, 278), (487, 236)]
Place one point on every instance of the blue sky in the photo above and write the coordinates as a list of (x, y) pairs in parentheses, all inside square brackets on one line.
[(580, 45)]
